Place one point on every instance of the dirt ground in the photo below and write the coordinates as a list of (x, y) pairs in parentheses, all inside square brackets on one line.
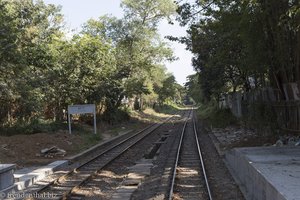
[(236, 136), (25, 150)]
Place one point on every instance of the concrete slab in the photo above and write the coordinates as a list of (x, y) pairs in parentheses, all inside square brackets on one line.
[(126, 189), (6, 167), (134, 178), (123, 192), (133, 175), (266, 172), (28, 176), (144, 161), (142, 168), (121, 196), (6, 175)]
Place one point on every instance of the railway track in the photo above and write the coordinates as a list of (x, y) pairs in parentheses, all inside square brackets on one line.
[(66, 183), (189, 180)]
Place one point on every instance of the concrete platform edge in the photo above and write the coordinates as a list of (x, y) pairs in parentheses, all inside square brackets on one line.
[(30, 178), (216, 143), (243, 172), (237, 181)]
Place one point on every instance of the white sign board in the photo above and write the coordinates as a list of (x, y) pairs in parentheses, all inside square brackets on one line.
[(82, 109)]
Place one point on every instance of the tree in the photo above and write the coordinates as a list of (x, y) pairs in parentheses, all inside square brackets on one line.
[(168, 89), (281, 21), (148, 12), (235, 41), (43, 71), (80, 68), (138, 47), (193, 88), (25, 30)]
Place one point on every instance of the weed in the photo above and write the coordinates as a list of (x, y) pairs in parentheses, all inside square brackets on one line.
[(32, 127), (169, 108)]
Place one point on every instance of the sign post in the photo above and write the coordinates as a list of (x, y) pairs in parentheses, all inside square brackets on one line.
[(81, 109)]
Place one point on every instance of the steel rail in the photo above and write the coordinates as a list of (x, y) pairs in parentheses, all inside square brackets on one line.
[(73, 172), (177, 158), (201, 160), (108, 162), (178, 155), (90, 160)]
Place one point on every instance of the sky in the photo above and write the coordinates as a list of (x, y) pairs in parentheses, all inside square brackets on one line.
[(78, 12)]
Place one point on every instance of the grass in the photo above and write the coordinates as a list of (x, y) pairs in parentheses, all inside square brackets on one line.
[(90, 139), (169, 108), (42, 126), (148, 115), (35, 126)]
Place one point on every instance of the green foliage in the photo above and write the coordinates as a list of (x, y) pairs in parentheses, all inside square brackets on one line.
[(238, 41), (115, 116), (91, 139), (167, 90), (88, 137), (261, 116), (32, 127), (169, 108), (25, 29), (139, 50), (193, 88), (148, 11), (42, 71), (215, 117)]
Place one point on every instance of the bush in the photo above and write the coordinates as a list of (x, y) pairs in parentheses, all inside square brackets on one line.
[(260, 116), (32, 127), (115, 116), (222, 118), (215, 117), (166, 108)]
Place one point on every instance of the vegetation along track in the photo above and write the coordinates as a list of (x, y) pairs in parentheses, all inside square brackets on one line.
[(189, 180), (62, 186)]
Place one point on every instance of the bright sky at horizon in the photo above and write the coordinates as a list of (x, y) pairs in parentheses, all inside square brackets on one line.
[(77, 13)]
